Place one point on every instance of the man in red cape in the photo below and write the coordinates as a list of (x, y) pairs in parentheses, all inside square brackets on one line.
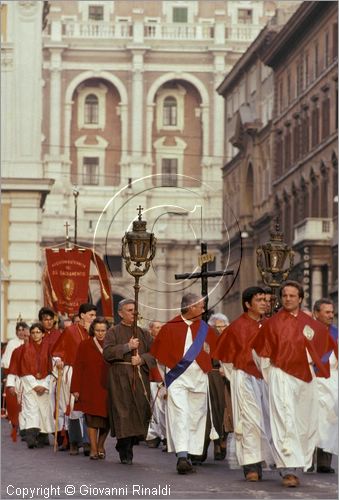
[(64, 355), (187, 391), (291, 345), (248, 390)]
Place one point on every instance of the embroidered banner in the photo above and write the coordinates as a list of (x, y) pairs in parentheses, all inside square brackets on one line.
[(68, 272)]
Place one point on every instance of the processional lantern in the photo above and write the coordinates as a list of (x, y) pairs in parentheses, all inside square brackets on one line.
[(138, 251), (271, 261)]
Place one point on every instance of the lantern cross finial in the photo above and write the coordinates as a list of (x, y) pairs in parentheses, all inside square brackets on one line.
[(67, 226), (139, 209)]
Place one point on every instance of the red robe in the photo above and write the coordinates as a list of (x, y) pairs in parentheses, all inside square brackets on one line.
[(53, 336), (235, 344), (89, 379), (12, 404), (168, 345), (35, 360), (282, 340), (66, 346)]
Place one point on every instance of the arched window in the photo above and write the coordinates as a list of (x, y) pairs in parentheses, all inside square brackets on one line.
[(91, 109), (170, 111)]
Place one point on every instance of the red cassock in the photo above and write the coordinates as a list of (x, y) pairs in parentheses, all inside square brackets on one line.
[(89, 379), (66, 346), (283, 339), (235, 344), (12, 404), (168, 345), (53, 336), (35, 359)]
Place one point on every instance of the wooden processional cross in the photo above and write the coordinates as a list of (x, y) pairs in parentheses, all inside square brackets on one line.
[(204, 274)]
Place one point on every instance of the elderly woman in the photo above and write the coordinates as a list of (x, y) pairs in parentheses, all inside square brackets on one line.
[(89, 386)]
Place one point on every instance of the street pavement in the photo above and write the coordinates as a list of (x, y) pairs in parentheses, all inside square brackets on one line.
[(41, 473)]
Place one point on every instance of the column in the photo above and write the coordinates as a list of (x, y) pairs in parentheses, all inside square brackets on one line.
[(55, 103), (317, 283)]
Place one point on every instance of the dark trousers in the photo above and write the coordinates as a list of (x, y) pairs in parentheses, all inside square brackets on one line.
[(324, 458), (253, 468)]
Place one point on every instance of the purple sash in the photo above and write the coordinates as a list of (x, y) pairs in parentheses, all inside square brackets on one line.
[(334, 335), (189, 356)]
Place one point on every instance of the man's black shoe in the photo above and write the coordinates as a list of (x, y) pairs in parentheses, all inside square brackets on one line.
[(184, 466), (325, 470)]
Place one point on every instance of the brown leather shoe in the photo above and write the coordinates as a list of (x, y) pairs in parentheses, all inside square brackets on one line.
[(290, 481), (184, 466), (252, 476)]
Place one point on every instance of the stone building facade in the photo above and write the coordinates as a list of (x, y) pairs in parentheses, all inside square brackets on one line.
[(285, 166), (131, 116)]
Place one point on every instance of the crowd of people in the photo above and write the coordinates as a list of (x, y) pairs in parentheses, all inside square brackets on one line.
[(269, 381)]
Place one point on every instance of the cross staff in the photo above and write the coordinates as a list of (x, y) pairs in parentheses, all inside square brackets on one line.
[(204, 274)]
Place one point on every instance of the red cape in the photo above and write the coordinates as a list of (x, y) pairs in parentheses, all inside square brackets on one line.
[(66, 346), (89, 379), (235, 344), (282, 339), (168, 345), (35, 360)]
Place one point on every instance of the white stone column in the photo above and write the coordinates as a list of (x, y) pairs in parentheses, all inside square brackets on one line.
[(55, 103), (317, 283), (137, 102), (137, 117)]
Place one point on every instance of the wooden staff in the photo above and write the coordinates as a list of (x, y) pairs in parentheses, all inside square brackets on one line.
[(57, 398)]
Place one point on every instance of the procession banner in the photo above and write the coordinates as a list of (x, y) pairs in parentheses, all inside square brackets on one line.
[(68, 273)]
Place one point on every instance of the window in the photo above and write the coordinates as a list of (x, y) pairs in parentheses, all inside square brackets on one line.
[(91, 109), (335, 41), (245, 16), (289, 89), (281, 96), (96, 12), (170, 111), (169, 170), (325, 117), (296, 140), (3, 16), (305, 133), (90, 171), (327, 50), (315, 196), (316, 60), (287, 149), (180, 15), (315, 126), (300, 76), (279, 156), (307, 70)]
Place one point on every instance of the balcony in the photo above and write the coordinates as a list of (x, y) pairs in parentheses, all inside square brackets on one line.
[(212, 32), (313, 229)]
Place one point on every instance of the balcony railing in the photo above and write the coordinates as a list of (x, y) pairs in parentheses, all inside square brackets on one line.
[(211, 32), (313, 229), (178, 31), (72, 29)]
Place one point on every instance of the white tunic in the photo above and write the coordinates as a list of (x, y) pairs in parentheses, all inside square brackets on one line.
[(36, 408), (328, 409), (187, 407), (157, 426), (293, 406), (250, 417), (11, 346)]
